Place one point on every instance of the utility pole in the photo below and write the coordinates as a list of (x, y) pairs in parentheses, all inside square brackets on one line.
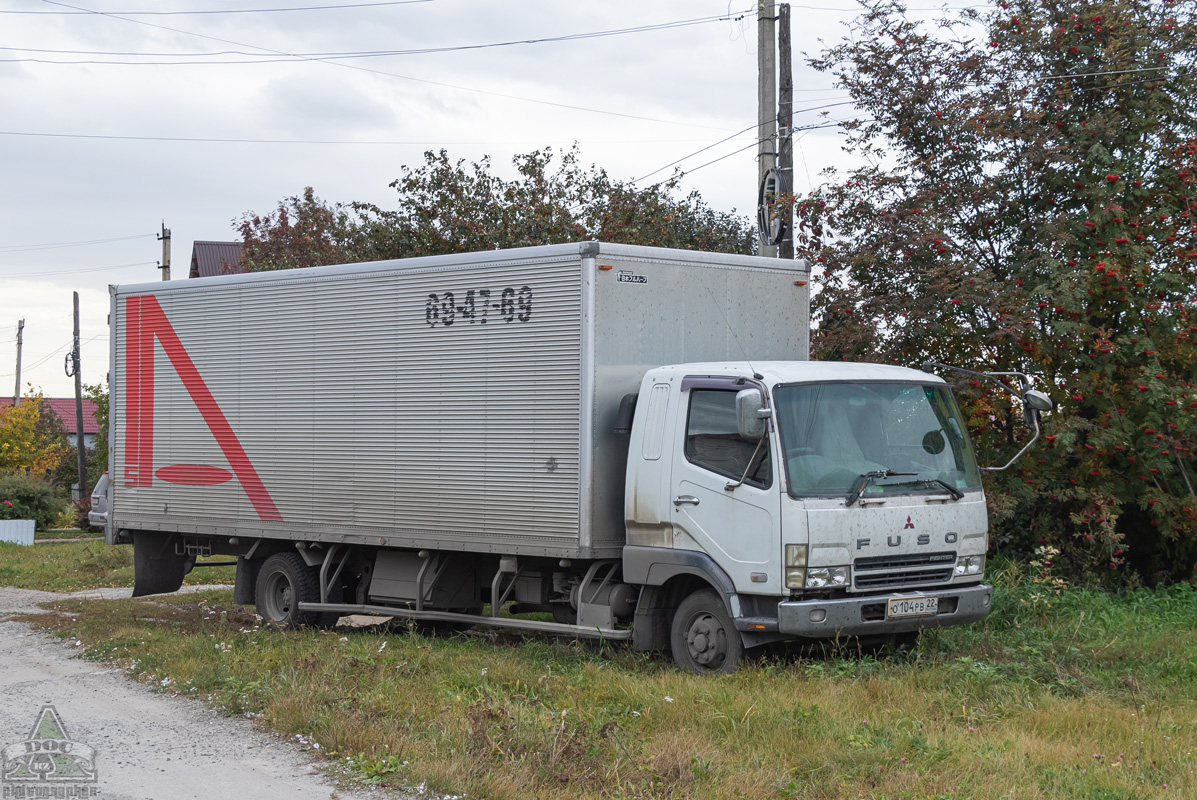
[(165, 237), (766, 97), (80, 447), (785, 123), (16, 393)]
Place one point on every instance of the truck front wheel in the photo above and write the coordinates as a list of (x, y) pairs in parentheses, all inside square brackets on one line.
[(703, 638), (284, 582)]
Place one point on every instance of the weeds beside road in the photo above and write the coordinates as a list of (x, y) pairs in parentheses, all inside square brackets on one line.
[(1062, 693), (57, 566)]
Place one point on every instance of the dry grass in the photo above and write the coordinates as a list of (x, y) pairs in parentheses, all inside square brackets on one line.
[(1093, 699), (56, 566)]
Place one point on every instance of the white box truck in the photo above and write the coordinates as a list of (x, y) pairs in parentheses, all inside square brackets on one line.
[(628, 439)]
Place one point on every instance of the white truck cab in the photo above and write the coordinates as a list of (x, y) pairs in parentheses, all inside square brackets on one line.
[(852, 507)]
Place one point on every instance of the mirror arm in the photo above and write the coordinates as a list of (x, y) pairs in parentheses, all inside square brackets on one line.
[(989, 376), (730, 487), (1018, 455)]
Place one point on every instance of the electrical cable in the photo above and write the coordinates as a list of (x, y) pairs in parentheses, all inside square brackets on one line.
[(384, 72), (20, 248), (339, 7), (224, 10), (213, 140), (341, 55), (734, 135), (76, 270), (754, 144)]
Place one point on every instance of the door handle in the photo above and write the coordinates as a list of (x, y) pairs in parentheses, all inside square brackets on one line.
[(685, 498)]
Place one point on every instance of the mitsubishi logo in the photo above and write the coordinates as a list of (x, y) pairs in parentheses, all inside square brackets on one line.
[(909, 524)]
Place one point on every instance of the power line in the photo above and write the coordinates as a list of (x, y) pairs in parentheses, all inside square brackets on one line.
[(388, 74), (20, 248), (754, 144), (213, 140), (339, 7), (224, 10), (341, 55), (75, 270), (734, 135), (53, 353)]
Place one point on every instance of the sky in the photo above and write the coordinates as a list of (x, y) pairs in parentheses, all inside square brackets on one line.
[(116, 121)]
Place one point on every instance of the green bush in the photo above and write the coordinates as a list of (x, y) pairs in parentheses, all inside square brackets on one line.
[(23, 497)]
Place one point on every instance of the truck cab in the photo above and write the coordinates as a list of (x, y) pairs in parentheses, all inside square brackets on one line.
[(773, 500)]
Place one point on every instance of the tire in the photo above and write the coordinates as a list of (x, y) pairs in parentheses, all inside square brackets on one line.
[(703, 639), (284, 582)]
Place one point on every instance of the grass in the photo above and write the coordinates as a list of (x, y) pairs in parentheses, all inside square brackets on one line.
[(66, 533), (1058, 694), (56, 566)]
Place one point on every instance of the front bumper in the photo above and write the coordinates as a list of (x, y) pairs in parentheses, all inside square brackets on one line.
[(865, 616)]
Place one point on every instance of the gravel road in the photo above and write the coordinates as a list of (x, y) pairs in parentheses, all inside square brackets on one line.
[(147, 745)]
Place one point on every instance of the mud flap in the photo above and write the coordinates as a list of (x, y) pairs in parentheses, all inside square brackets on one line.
[(157, 569), (246, 586)]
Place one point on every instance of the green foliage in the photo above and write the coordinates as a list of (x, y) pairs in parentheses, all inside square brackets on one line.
[(97, 456), (23, 497), (33, 440), (449, 207), (1034, 214)]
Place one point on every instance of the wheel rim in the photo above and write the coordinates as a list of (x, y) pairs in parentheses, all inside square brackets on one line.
[(706, 641), (278, 597)]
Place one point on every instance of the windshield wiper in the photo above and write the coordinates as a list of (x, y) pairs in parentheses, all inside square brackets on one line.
[(867, 478), (952, 490)]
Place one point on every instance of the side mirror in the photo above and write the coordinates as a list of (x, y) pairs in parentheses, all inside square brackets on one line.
[(751, 414), (1034, 403), (1038, 400)]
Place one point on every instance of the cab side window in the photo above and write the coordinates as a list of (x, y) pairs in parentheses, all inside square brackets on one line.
[(713, 440)]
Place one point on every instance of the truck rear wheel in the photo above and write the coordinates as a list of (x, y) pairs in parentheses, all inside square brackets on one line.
[(703, 638), (284, 582)]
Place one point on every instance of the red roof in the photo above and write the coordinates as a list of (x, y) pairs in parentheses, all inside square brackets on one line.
[(64, 407)]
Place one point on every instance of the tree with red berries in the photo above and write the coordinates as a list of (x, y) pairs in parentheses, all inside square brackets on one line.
[(1028, 205)]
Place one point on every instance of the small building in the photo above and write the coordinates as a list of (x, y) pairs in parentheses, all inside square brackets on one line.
[(64, 409), (215, 258)]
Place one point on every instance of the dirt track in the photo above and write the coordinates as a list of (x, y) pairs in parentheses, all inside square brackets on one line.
[(147, 745)]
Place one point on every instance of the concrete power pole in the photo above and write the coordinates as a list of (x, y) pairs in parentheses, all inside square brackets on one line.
[(785, 123), (16, 393), (766, 97), (165, 237), (80, 447)]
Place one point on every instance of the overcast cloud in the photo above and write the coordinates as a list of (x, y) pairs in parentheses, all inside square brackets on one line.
[(700, 80)]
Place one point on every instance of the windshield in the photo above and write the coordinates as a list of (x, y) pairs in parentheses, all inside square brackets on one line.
[(833, 433)]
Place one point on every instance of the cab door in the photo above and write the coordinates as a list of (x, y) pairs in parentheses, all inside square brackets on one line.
[(740, 527)]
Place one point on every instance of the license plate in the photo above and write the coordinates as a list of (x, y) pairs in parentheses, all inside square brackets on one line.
[(913, 607)]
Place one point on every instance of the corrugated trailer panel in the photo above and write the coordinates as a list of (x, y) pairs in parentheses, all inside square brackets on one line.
[(369, 405)]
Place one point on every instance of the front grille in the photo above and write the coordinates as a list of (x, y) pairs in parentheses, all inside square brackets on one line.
[(904, 561), (904, 578)]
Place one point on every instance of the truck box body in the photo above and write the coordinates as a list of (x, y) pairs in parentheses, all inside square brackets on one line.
[(462, 402)]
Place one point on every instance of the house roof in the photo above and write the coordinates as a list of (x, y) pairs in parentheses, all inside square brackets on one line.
[(64, 408), (215, 258)]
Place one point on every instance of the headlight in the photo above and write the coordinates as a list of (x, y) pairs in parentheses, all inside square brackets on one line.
[(795, 566), (823, 577), (970, 565)]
